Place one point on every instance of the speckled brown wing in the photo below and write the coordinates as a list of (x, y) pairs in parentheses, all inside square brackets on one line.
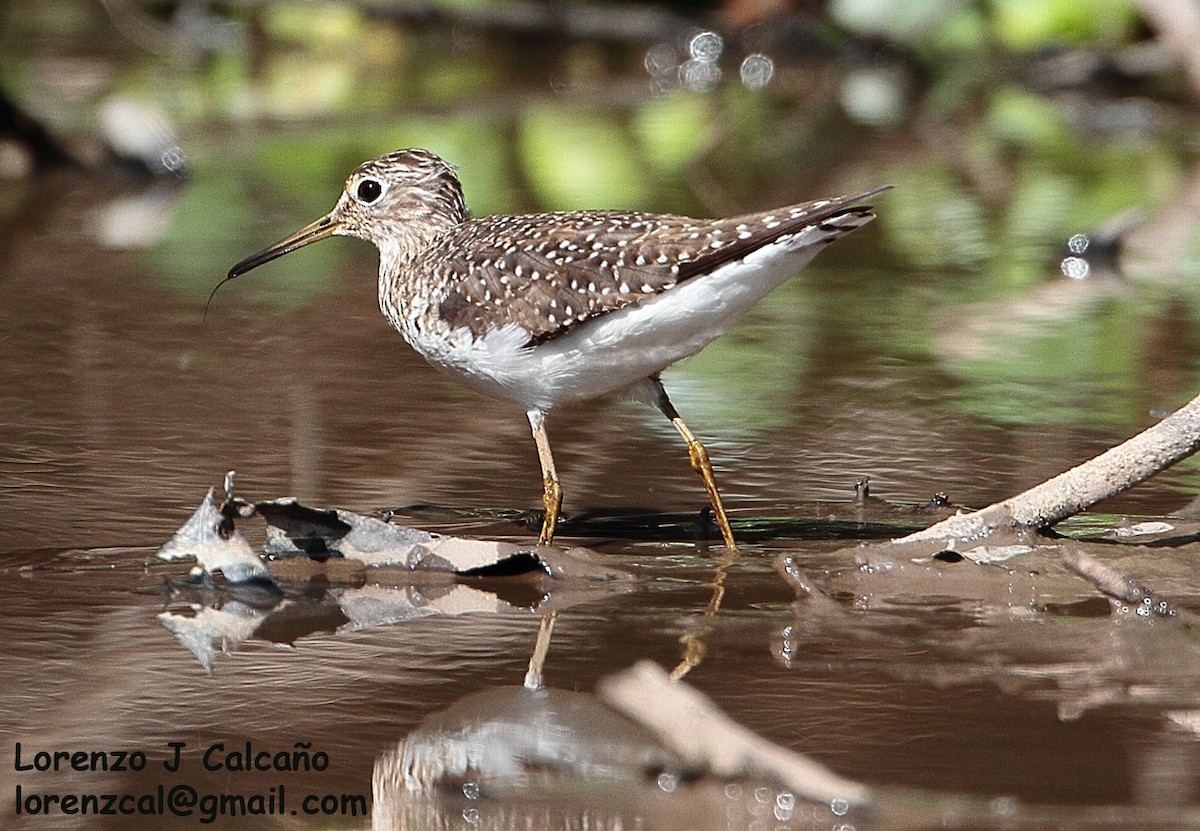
[(550, 272)]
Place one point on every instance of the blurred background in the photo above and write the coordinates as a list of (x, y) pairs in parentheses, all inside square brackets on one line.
[(1027, 297)]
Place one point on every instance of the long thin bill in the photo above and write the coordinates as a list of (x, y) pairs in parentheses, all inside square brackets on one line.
[(319, 230)]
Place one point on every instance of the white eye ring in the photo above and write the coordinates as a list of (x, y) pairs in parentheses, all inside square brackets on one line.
[(368, 191)]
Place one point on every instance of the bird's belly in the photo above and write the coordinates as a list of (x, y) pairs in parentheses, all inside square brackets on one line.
[(616, 350), (610, 352)]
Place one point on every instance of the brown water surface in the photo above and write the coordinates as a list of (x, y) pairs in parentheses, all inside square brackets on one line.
[(120, 406)]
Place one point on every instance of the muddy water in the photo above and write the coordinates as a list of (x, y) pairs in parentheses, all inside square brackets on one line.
[(120, 406)]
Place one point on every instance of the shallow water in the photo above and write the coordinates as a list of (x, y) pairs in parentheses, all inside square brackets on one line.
[(903, 354)]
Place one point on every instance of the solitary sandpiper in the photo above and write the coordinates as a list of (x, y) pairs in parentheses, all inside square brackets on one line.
[(549, 308)]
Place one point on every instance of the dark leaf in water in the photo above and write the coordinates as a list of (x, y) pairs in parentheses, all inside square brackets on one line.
[(295, 529)]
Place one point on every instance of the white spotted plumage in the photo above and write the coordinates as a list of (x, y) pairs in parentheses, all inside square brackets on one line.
[(619, 348)]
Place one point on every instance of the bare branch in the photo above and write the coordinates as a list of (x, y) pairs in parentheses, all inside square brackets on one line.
[(1153, 450)]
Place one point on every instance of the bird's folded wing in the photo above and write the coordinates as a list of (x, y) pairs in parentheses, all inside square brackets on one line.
[(548, 273)]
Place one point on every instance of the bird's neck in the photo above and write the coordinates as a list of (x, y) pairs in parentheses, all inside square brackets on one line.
[(403, 264)]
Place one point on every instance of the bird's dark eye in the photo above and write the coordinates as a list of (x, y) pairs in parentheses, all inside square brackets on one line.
[(369, 190)]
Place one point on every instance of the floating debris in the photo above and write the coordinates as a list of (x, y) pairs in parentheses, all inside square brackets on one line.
[(1141, 529), (209, 537), (339, 548), (296, 530)]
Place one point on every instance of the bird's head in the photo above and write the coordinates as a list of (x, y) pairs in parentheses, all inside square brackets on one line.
[(400, 202)]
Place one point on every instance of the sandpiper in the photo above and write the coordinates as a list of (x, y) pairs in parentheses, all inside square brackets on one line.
[(544, 309)]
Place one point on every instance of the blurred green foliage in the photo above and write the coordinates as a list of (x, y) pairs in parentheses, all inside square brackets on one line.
[(991, 175), (579, 159), (945, 26), (1032, 24)]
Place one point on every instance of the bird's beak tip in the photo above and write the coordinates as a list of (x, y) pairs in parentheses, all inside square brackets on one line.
[(324, 227)]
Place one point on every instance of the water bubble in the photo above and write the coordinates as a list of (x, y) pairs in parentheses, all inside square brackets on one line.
[(1078, 243), (706, 46), (668, 782), (702, 76), (661, 59), (840, 807), (471, 790), (757, 71), (1143, 611), (471, 816), (1076, 268), (762, 794), (787, 650), (785, 806), (845, 826), (173, 160)]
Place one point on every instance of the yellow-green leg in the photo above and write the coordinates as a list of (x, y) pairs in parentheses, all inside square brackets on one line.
[(552, 493), (699, 458)]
